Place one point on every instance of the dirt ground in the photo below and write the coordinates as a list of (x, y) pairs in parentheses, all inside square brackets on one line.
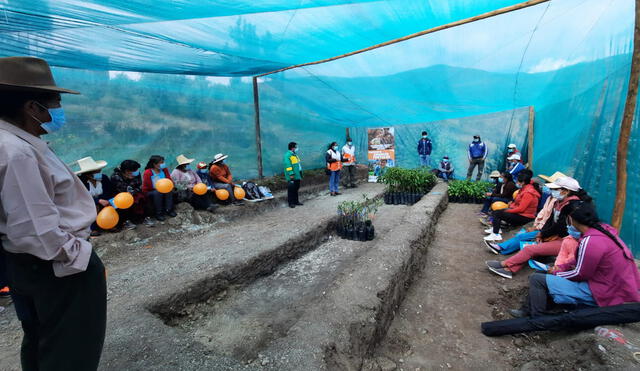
[(438, 324)]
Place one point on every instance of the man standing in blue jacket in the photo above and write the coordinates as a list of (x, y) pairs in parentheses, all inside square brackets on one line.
[(477, 154), (424, 150)]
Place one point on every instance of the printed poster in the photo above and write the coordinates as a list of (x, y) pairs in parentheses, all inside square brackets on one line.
[(381, 151)]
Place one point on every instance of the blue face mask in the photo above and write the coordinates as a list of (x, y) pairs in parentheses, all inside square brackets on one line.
[(136, 173), (424, 137), (295, 150), (349, 144), (187, 167), (203, 171), (556, 194), (510, 150), (500, 180), (573, 232), (163, 166), (518, 185), (57, 122), (97, 176), (335, 148), (546, 190)]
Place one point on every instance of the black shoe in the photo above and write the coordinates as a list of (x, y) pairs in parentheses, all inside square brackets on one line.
[(354, 186), (298, 204), (338, 193), (292, 206), (161, 218), (172, 214), (212, 208), (517, 313), (493, 264), (500, 271)]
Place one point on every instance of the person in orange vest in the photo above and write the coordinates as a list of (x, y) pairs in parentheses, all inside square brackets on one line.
[(349, 154), (334, 165)]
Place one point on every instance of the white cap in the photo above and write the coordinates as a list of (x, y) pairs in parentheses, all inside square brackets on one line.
[(511, 145), (515, 156), (566, 183)]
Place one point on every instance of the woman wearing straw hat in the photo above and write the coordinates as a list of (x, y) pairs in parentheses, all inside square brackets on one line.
[(185, 179), (98, 185), (57, 281), (222, 177)]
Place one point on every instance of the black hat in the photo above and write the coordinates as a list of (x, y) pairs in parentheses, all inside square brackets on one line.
[(28, 74)]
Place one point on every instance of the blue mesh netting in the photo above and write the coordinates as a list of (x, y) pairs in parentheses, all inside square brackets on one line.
[(569, 59)]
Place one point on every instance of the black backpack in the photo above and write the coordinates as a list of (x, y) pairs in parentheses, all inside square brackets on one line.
[(252, 191)]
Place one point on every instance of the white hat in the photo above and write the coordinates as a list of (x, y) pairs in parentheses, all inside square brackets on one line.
[(219, 157), (566, 183), (550, 179), (87, 164), (494, 174), (511, 145), (515, 156), (183, 160)]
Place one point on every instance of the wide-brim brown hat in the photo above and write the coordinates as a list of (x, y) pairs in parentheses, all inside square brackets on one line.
[(28, 74)]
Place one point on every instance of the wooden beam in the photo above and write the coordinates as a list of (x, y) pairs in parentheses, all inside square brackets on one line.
[(490, 14), (625, 127), (348, 136), (256, 106), (530, 136)]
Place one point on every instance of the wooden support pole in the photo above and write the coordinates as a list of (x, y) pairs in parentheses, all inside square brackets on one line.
[(256, 106), (348, 136), (490, 14), (625, 127), (532, 115)]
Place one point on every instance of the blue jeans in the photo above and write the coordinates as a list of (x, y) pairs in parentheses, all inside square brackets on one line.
[(445, 176), (512, 245), (564, 291), (334, 181), (162, 202), (425, 160), (489, 200)]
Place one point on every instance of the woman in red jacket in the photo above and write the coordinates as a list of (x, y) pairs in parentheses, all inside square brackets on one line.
[(163, 202), (521, 211)]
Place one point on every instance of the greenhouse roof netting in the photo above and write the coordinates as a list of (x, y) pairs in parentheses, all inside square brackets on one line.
[(213, 37)]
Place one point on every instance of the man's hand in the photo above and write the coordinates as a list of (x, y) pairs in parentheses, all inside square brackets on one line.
[(104, 203)]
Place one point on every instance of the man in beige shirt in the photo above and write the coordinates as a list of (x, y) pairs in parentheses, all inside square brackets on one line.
[(56, 280)]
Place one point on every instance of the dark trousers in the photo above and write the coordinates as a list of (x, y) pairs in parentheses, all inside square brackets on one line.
[(292, 191), (472, 164), (63, 318), (536, 303), (489, 200), (200, 202), (509, 218), (349, 175), (162, 202), (3, 274)]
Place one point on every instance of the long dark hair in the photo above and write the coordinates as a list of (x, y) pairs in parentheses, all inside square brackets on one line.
[(582, 195), (153, 160), (525, 177), (585, 214), (507, 176)]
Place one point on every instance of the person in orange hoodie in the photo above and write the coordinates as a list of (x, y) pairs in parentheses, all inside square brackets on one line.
[(222, 177), (521, 211)]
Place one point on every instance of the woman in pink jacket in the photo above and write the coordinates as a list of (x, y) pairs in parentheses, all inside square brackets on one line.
[(185, 179), (605, 273)]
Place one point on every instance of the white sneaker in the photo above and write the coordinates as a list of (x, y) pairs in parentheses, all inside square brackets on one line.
[(490, 230), (493, 237)]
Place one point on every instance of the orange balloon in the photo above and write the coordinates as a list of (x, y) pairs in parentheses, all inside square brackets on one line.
[(515, 194), (222, 194), (164, 185), (498, 205), (123, 200), (107, 218), (238, 193), (200, 189)]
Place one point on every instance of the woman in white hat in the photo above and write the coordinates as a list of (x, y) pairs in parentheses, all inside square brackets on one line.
[(185, 179), (222, 177), (99, 186)]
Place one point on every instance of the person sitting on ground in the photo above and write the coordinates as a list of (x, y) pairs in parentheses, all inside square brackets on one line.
[(98, 185), (222, 177), (334, 160), (127, 178), (185, 179), (445, 169), (521, 211), (505, 187), (515, 165), (605, 275), (203, 173), (155, 170), (549, 240)]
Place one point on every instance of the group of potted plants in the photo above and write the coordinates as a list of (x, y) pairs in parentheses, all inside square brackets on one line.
[(406, 186), (355, 219), (466, 191)]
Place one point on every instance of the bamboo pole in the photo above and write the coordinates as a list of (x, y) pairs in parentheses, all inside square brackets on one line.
[(530, 134), (256, 106), (625, 128), (490, 14)]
